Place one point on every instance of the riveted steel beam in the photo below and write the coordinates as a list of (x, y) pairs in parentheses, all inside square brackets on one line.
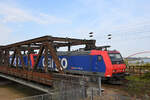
[(13, 57), (46, 59), (21, 57), (38, 57), (55, 57), (56, 40), (29, 52)]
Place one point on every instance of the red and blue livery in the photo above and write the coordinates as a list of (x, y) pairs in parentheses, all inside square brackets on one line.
[(108, 64)]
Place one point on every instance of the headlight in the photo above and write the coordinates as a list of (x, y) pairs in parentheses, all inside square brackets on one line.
[(114, 70)]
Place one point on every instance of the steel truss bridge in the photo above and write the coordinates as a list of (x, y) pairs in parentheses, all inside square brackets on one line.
[(46, 45)]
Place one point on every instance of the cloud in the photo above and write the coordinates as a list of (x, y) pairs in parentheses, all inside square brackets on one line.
[(13, 14), (128, 22), (121, 19), (46, 19), (5, 33)]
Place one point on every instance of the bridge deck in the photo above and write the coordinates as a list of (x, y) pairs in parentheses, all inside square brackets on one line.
[(43, 78), (31, 84)]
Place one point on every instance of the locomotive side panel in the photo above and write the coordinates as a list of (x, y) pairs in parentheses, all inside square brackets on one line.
[(78, 64)]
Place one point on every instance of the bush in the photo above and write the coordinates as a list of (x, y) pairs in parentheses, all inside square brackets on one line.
[(146, 76), (138, 85)]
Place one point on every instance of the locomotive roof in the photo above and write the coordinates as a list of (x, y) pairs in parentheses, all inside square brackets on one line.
[(73, 52)]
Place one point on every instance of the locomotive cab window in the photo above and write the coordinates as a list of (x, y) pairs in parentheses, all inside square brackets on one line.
[(116, 58), (99, 58)]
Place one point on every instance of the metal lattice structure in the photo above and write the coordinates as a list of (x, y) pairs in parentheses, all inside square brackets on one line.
[(46, 45)]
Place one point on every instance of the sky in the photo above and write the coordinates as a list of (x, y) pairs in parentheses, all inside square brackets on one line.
[(127, 20)]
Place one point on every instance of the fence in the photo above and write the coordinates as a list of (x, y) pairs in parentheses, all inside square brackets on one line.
[(64, 90), (93, 94), (73, 94), (77, 94), (38, 97), (71, 90), (138, 69), (75, 97)]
